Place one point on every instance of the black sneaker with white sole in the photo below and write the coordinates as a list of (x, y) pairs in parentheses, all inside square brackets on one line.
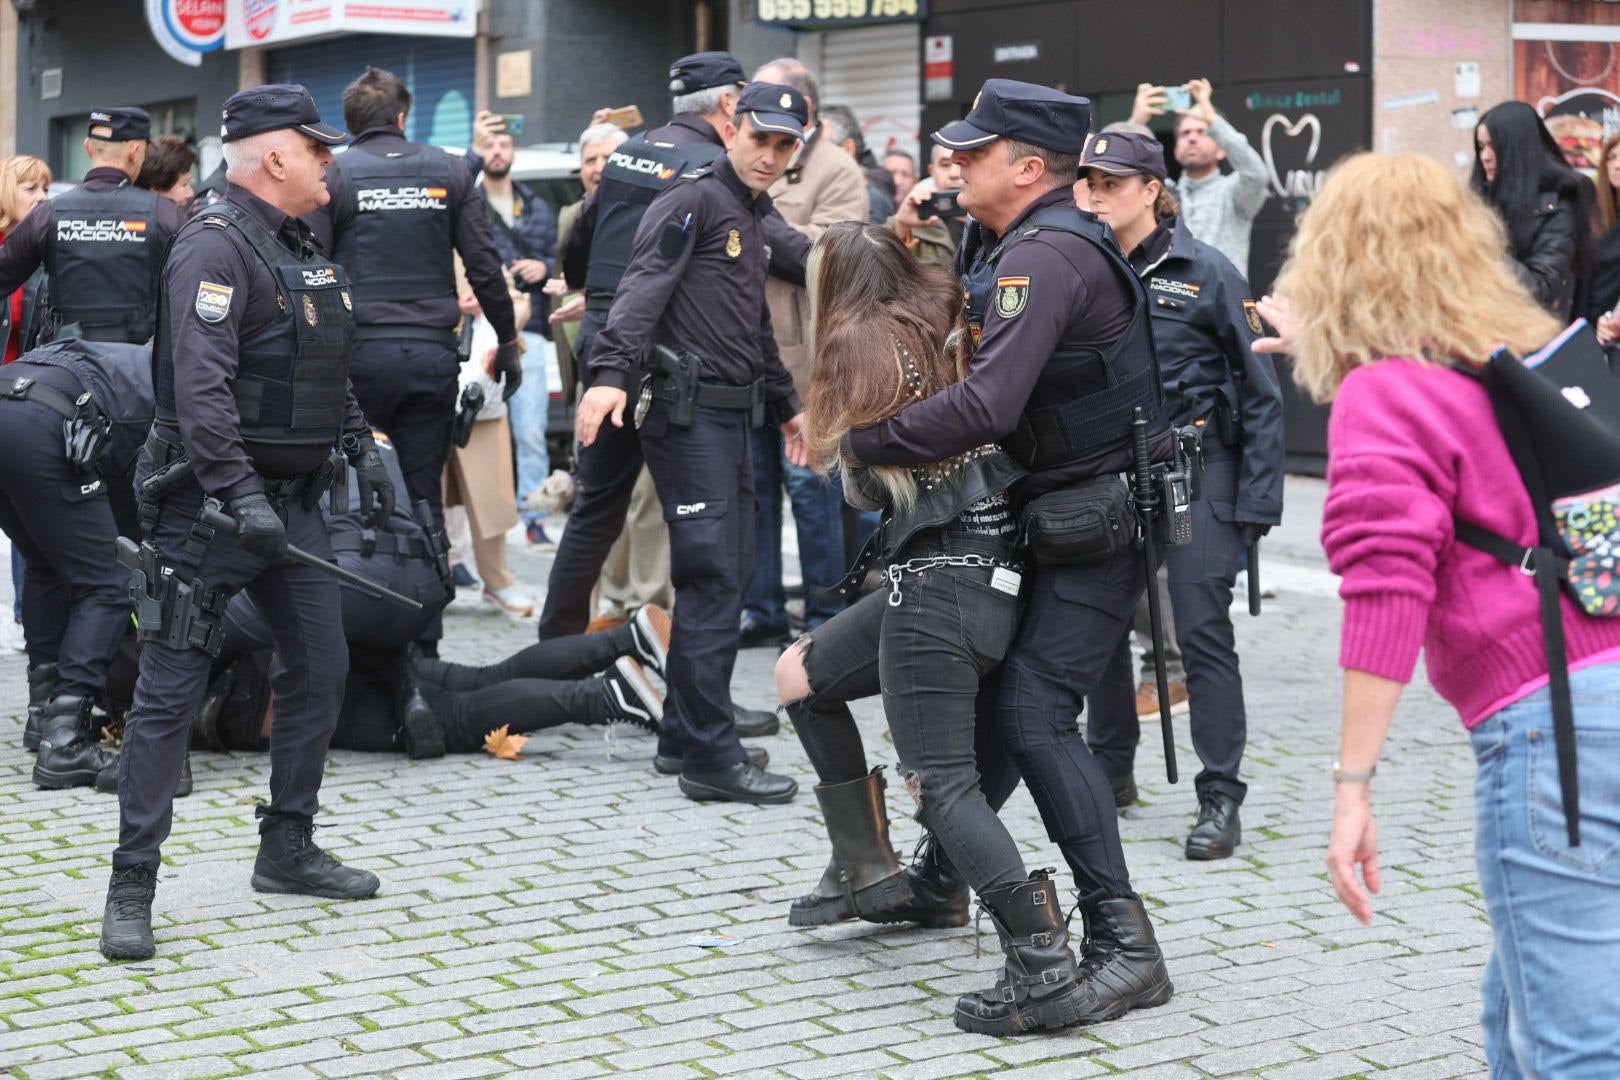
[(650, 628), (631, 697)]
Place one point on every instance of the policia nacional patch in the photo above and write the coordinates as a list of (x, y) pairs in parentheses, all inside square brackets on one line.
[(1012, 293), (213, 301), (1251, 312)]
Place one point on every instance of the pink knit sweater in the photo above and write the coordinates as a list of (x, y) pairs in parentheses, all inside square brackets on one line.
[(1410, 446)]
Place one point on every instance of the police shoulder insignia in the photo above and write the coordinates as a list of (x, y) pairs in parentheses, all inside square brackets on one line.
[(1251, 312), (347, 303), (213, 301), (309, 310), (733, 244), (1012, 293)]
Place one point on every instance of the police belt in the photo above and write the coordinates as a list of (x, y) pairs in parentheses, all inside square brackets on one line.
[(401, 331), (111, 332), (165, 454), (49, 396), (713, 395), (368, 542)]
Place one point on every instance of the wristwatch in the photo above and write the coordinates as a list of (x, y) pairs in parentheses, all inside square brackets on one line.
[(1340, 776)]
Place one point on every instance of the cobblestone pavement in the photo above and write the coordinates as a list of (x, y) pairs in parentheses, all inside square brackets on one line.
[(571, 915)]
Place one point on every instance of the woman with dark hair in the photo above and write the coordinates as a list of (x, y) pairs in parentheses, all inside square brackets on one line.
[(1605, 290), (167, 169), (1545, 204), (887, 330)]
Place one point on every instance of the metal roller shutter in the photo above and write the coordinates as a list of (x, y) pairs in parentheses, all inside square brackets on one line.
[(877, 71), (438, 72)]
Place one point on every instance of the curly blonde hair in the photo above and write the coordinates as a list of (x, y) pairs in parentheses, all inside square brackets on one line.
[(14, 172), (1396, 257)]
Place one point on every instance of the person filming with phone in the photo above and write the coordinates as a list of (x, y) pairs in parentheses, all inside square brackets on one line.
[(1218, 207), (930, 220)]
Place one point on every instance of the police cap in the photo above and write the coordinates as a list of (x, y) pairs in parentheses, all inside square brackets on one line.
[(774, 107), (272, 107), (1006, 109), (127, 124), (1124, 153), (703, 70)]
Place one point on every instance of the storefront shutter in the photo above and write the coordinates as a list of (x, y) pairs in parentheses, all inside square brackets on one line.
[(438, 72), (877, 71)]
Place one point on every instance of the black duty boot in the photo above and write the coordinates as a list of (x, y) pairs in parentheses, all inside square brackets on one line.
[(69, 754), (290, 862), (1121, 965), (41, 685), (126, 925), (1124, 788), (418, 728), (107, 779), (939, 895), (1218, 832), (1039, 990), (864, 877), (754, 723)]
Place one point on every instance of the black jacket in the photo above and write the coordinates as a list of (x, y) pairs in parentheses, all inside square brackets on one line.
[(1544, 259)]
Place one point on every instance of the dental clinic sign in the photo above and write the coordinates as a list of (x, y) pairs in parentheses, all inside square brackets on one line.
[(185, 29), (269, 22)]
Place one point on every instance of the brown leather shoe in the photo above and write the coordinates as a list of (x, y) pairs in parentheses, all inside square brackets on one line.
[(1147, 700)]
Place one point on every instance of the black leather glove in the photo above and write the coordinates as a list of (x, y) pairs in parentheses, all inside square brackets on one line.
[(509, 366), (258, 527), (376, 489), (1253, 532)]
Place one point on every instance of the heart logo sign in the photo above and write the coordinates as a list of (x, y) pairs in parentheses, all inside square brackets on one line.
[(1299, 182)]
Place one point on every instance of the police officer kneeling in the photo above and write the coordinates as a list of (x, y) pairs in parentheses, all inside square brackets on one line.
[(1065, 359), (250, 370), (695, 289)]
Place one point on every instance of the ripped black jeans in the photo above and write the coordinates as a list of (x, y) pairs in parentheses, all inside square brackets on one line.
[(926, 654)]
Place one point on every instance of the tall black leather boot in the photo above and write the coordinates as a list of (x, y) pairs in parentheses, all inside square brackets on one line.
[(864, 876), (126, 924), (1121, 964), (69, 754), (291, 862), (418, 728), (1039, 990), (41, 685), (939, 895)]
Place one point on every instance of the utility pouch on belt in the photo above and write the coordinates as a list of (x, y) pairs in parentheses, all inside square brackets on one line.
[(179, 614), (1084, 524)]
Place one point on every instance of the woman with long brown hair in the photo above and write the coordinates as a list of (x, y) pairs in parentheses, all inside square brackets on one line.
[(1369, 306), (886, 331)]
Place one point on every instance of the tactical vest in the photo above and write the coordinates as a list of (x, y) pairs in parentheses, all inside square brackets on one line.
[(292, 375), (1085, 398), (401, 245), (104, 258), (636, 173)]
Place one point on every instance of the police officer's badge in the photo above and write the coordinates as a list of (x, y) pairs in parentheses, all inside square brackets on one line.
[(1012, 293), (1251, 312), (1100, 146), (309, 310), (733, 244), (787, 101), (213, 301), (347, 303)]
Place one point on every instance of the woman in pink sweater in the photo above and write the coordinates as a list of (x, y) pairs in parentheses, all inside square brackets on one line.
[(1397, 273)]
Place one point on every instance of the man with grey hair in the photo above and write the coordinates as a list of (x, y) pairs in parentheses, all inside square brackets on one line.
[(250, 373)]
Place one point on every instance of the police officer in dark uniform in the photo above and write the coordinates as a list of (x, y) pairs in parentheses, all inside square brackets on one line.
[(1203, 324), (250, 371), (101, 243), (693, 304), (399, 213), (705, 87), (55, 408), (1065, 357)]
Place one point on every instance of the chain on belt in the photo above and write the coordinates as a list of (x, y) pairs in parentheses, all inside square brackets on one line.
[(928, 562)]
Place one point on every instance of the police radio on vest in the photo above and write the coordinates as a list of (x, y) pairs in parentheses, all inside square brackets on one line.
[(402, 198)]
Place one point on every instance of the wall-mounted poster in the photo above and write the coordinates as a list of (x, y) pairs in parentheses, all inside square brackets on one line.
[(1566, 63)]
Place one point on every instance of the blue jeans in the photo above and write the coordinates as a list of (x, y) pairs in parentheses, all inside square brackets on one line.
[(528, 410), (818, 515), (1552, 985)]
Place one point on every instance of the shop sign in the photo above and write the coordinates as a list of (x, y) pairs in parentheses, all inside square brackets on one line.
[(269, 22), (831, 14), (185, 29), (939, 68), (1566, 64)]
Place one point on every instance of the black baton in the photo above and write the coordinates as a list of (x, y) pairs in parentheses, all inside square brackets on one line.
[(225, 523), (1147, 502), (1254, 576)]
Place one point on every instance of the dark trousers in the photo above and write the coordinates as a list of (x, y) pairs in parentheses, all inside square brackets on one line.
[(818, 503), (606, 474), (1076, 620), (301, 607), (1200, 582), (927, 655), (75, 597), (706, 485)]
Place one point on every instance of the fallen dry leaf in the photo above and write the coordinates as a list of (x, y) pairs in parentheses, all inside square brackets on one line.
[(504, 745)]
